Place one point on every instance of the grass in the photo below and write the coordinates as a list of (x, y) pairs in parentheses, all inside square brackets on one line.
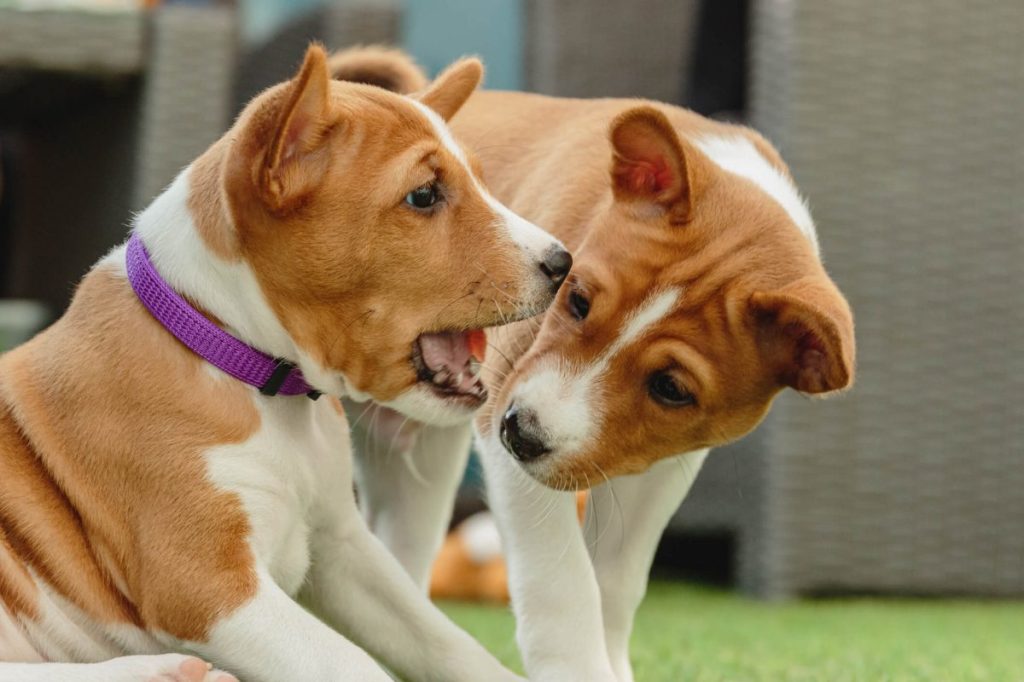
[(696, 634)]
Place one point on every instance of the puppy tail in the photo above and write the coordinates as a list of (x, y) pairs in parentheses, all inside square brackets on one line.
[(378, 65)]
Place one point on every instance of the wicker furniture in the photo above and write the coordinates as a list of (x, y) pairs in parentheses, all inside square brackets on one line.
[(578, 48), (103, 110), (904, 124), (109, 107), (340, 24)]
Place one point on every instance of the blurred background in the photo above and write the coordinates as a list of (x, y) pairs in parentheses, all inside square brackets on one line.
[(903, 122)]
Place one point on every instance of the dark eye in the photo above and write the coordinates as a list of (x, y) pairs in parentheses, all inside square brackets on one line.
[(579, 306), (424, 196), (664, 389)]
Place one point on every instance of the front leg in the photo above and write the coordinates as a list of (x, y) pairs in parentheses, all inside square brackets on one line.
[(626, 517), (554, 591), (272, 638), (359, 588), (408, 475)]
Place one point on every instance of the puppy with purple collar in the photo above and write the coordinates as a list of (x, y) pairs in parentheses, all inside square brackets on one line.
[(175, 475)]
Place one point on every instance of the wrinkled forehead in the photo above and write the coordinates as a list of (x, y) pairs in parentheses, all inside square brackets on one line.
[(385, 120), (394, 134)]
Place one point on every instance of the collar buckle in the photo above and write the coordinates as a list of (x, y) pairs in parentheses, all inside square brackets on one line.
[(282, 368)]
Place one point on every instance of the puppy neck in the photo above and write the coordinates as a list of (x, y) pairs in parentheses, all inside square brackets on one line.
[(203, 264)]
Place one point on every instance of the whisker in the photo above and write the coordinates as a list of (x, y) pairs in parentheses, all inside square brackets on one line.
[(615, 504), (450, 304), (410, 462), (499, 352), (362, 413), (341, 334), (394, 438), (369, 431)]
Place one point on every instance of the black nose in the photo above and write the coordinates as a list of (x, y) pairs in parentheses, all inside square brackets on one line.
[(556, 265), (517, 438)]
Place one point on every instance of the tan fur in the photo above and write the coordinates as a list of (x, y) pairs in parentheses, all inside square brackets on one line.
[(453, 86), (17, 589), (207, 206), (735, 336), (84, 493), (105, 418), (382, 281)]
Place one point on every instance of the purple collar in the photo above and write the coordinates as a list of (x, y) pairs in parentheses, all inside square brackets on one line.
[(273, 376)]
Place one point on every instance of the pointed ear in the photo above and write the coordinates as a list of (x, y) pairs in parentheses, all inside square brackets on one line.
[(652, 168), (807, 334), (449, 91), (296, 159)]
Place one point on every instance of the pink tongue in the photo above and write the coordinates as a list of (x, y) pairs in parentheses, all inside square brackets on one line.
[(445, 351)]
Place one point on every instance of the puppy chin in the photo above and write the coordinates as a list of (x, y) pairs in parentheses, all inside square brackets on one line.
[(422, 404), (551, 473)]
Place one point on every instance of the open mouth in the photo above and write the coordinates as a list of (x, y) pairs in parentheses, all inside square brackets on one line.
[(449, 364)]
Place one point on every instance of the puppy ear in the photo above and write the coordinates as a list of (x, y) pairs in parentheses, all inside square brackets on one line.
[(449, 91), (807, 334), (296, 159), (653, 170)]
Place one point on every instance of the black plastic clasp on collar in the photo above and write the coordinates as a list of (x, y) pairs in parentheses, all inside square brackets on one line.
[(277, 378)]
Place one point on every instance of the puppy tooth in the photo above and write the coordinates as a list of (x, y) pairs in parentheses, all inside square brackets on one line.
[(474, 366), (441, 377)]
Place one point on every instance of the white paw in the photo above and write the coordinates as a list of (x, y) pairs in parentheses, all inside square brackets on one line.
[(163, 668)]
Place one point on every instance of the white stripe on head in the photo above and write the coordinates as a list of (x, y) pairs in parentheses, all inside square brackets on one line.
[(738, 155), (530, 238), (566, 399), (654, 308)]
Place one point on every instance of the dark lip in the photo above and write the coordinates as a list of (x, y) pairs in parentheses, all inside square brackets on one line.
[(425, 376)]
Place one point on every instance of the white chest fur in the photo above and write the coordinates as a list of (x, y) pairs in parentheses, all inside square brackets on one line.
[(286, 474)]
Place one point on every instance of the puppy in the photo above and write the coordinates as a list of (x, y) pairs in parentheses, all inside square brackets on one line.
[(697, 295), (174, 465)]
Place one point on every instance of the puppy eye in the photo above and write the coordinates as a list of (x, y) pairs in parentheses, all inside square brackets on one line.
[(579, 306), (424, 196), (664, 389)]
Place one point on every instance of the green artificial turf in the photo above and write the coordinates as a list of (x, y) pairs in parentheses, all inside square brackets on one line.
[(685, 633)]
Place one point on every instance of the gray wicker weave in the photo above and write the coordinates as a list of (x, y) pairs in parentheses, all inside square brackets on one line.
[(582, 48), (148, 91), (96, 42), (904, 123), (187, 97), (340, 24), (362, 22)]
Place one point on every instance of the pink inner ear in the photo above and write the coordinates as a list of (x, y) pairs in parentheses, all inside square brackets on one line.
[(291, 145), (645, 177), (811, 358)]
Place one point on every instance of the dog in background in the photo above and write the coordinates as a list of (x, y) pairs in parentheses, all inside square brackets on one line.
[(697, 295)]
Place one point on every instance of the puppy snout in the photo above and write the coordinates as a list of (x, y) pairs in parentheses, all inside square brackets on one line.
[(555, 265), (519, 435)]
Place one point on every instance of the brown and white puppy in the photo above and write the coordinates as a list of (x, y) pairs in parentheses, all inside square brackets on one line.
[(151, 503), (697, 295)]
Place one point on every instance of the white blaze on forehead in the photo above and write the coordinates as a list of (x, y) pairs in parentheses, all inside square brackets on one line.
[(738, 155), (528, 236), (648, 313), (566, 399)]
